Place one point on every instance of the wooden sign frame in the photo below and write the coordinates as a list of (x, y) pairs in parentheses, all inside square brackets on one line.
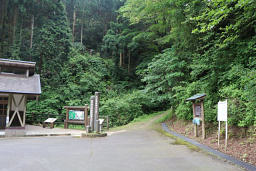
[(76, 108), (198, 101)]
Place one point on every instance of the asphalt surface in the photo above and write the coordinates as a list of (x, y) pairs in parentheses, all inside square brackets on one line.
[(138, 149)]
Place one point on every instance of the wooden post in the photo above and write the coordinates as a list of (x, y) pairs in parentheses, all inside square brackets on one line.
[(8, 110), (25, 110), (107, 122), (85, 115), (66, 123), (219, 135), (202, 116), (226, 136), (194, 115)]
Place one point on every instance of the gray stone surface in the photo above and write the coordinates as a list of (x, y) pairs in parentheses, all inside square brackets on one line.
[(31, 130), (96, 109), (136, 149), (92, 103)]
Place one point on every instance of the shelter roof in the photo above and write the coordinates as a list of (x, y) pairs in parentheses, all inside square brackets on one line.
[(10, 83), (196, 97), (17, 66)]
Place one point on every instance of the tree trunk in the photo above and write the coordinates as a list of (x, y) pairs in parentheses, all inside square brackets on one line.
[(20, 36), (3, 12), (81, 37), (14, 24), (121, 58), (32, 31), (129, 62), (74, 23), (82, 24)]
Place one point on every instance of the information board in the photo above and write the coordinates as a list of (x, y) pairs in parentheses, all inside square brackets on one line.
[(222, 110), (76, 115), (50, 120), (198, 111)]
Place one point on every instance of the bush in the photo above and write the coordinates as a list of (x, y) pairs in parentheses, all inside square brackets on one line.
[(124, 108)]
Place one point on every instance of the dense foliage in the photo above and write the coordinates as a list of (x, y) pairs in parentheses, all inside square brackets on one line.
[(142, 55)]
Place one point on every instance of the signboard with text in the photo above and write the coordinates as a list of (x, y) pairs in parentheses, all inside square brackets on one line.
[(222, 110), (198, 110), (76, 115)]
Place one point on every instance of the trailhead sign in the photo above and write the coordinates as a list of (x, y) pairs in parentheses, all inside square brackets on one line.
[(222, 110), (76, 115), (223, 116)]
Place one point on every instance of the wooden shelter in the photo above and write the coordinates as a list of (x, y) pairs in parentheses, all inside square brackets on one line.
[(18, 83), (198, 112)]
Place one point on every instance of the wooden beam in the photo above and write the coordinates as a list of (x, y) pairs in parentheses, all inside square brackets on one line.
[(86, 115), (194, 115), (17, 110), (203, 123), (25, 110), (8, 109)]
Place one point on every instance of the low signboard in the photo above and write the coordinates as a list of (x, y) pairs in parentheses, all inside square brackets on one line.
[(76, 115)]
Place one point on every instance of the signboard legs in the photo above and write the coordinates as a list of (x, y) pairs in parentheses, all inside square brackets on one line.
[(226, 137), (219, 135)]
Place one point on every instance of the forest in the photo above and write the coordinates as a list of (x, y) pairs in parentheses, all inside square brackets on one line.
[(142, 55)]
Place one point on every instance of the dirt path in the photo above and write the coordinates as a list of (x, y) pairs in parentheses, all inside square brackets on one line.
[(138, 147)]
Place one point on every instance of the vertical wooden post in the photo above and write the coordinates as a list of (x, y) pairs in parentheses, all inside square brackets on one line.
[(219, 135), (194, 115), (25, 110), (66, 123), (203, 124), (226, 136), (85, 116), (8, 110), (107, 122)]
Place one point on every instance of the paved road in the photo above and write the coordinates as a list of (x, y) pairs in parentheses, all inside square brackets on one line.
[(136, 149)]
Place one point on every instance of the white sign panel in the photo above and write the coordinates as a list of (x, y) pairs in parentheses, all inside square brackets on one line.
[(223, 110), (50, 120)]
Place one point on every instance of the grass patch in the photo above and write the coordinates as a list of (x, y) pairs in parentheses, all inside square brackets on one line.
[(167, 115), (144, 118), (140, 119), (70, 126), (177, 141)]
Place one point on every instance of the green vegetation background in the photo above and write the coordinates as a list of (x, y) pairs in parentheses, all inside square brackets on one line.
[(142, 55)]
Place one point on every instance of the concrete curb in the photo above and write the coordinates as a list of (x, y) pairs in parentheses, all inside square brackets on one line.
[(247, 166), (93, 135), (37, 135)]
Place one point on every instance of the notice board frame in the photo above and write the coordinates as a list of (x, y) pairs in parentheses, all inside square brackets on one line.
[(76, 108)]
